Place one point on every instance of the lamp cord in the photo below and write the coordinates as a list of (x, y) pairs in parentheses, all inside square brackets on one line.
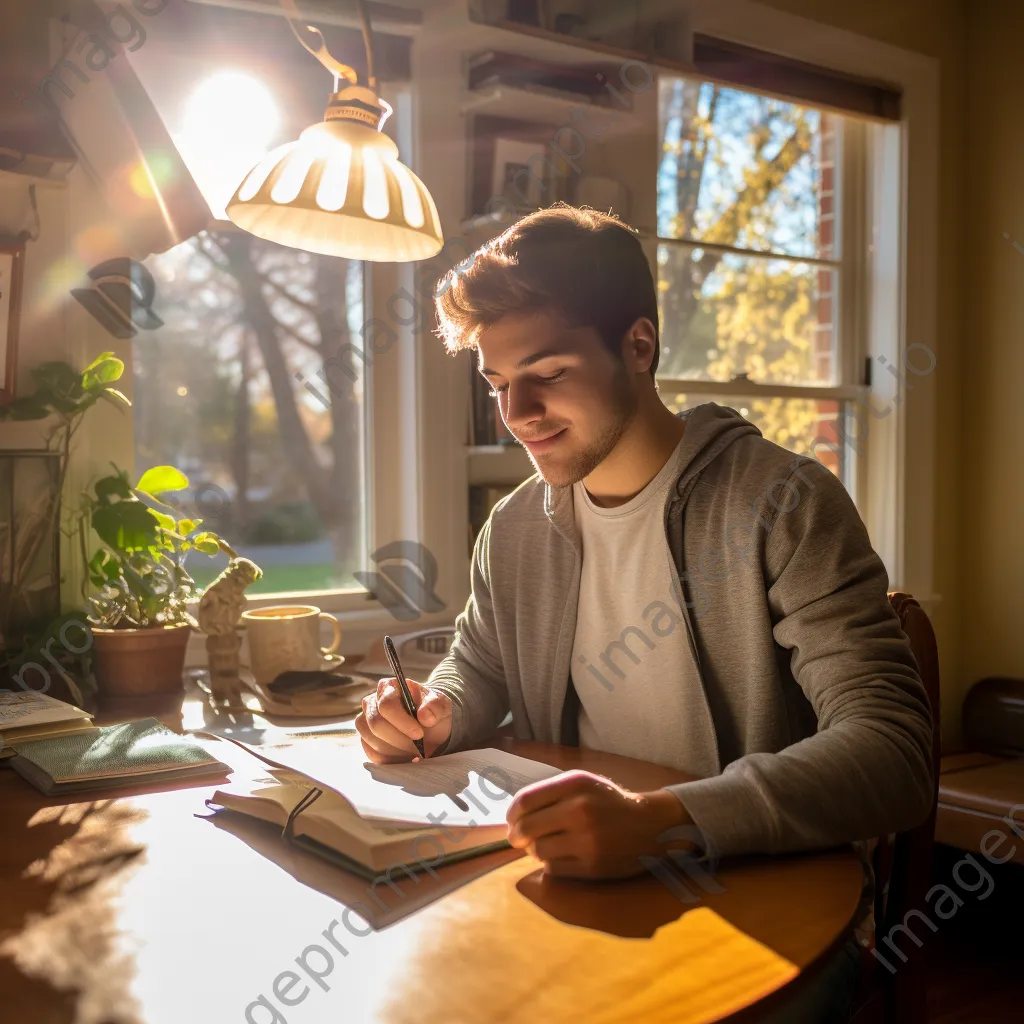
[(322, 54), (364, 20)]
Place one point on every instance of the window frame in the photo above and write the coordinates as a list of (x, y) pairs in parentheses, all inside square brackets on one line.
[(902, 270), (851, 213), (390, 412), (413, 433)]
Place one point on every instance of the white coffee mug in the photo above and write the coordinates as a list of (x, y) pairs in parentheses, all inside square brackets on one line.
[(287, 638)]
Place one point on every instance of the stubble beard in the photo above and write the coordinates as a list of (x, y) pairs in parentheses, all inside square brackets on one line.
[(581, 464)]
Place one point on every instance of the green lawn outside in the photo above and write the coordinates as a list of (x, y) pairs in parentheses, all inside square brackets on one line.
[(279, 579)]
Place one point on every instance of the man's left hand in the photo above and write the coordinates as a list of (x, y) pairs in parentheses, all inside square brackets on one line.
[(582, 825)]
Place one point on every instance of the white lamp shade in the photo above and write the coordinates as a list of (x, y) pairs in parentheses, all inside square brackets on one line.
[(340, 190)]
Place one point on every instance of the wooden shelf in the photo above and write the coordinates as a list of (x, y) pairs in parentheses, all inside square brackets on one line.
[(498, 464), (553, 109), (559, 46)]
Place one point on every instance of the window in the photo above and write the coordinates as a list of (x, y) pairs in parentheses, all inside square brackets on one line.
[(756, 276), (227, 390), (257, 385)]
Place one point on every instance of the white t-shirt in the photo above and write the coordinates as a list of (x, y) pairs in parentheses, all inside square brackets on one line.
[(640, 694)]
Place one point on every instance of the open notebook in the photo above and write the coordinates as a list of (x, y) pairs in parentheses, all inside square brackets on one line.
[(370, 818)]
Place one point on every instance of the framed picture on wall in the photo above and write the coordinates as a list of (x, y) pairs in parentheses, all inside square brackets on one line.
[(12, 264), (515, 173)]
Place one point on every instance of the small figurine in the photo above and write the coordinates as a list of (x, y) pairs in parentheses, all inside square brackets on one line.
[(220, 609)]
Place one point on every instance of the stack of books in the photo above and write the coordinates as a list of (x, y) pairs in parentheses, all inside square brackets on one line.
[(27, 715)]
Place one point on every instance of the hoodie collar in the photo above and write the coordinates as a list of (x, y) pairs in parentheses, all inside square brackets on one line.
[(710, 429)]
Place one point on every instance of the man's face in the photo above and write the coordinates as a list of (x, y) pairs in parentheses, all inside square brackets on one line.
[(565, 397)]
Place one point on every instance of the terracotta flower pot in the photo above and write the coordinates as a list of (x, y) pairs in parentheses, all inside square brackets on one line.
[(139, 662)]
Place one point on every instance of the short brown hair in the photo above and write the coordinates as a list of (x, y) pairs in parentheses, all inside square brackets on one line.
[(585, 266)]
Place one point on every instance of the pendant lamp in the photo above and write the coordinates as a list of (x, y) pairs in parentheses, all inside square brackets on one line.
[(340, 189)]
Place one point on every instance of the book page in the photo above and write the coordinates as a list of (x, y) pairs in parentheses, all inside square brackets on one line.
[(30, 708), (450, 773), (467, 788)]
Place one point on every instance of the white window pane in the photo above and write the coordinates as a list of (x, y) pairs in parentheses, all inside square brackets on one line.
[(277, 469)]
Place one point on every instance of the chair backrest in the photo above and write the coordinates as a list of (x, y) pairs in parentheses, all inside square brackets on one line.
[(906, 874)]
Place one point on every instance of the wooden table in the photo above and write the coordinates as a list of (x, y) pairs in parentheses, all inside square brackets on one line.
[(130, 909)]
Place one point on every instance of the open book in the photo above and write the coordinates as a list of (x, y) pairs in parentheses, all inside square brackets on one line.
[(371, 818), (28, 715)]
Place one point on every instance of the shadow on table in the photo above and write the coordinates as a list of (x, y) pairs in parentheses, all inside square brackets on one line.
[(781, 902), (423, 782), (631, 908), (392, 896), (58, 916)]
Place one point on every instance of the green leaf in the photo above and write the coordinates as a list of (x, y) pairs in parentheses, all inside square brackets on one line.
[(114, 397), (161, 479), (103, 567), (57, 377), (166, 522), (86, 403), (99, 559), (113, 485), (186, 526), (31, 407), (126, 526), (206, 543), (99, 359), (101, 371)]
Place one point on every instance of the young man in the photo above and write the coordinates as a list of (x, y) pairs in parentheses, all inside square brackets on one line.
[(672, 588)]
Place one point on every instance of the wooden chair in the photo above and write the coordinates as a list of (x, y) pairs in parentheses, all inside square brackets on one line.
[(903, 866)]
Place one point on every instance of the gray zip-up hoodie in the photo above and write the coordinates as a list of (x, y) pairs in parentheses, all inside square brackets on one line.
[(816, 727)]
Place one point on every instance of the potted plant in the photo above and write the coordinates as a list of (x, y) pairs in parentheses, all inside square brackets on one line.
[(139, 615), (61, 397)]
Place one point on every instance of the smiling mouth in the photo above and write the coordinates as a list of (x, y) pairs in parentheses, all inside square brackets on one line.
[(542, 443)]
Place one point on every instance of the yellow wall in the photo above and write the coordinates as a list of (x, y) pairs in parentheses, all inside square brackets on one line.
[(992, 500), (938, 28)]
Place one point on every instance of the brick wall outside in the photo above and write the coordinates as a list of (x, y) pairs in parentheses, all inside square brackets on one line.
[(824, 338)]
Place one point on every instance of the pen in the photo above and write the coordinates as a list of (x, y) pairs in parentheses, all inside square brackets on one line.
[(396, 667)]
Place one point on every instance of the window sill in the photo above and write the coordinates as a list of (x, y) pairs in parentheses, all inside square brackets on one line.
[(359, 628)]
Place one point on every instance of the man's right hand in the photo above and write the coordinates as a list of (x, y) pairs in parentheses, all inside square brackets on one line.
[(387, 729)]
